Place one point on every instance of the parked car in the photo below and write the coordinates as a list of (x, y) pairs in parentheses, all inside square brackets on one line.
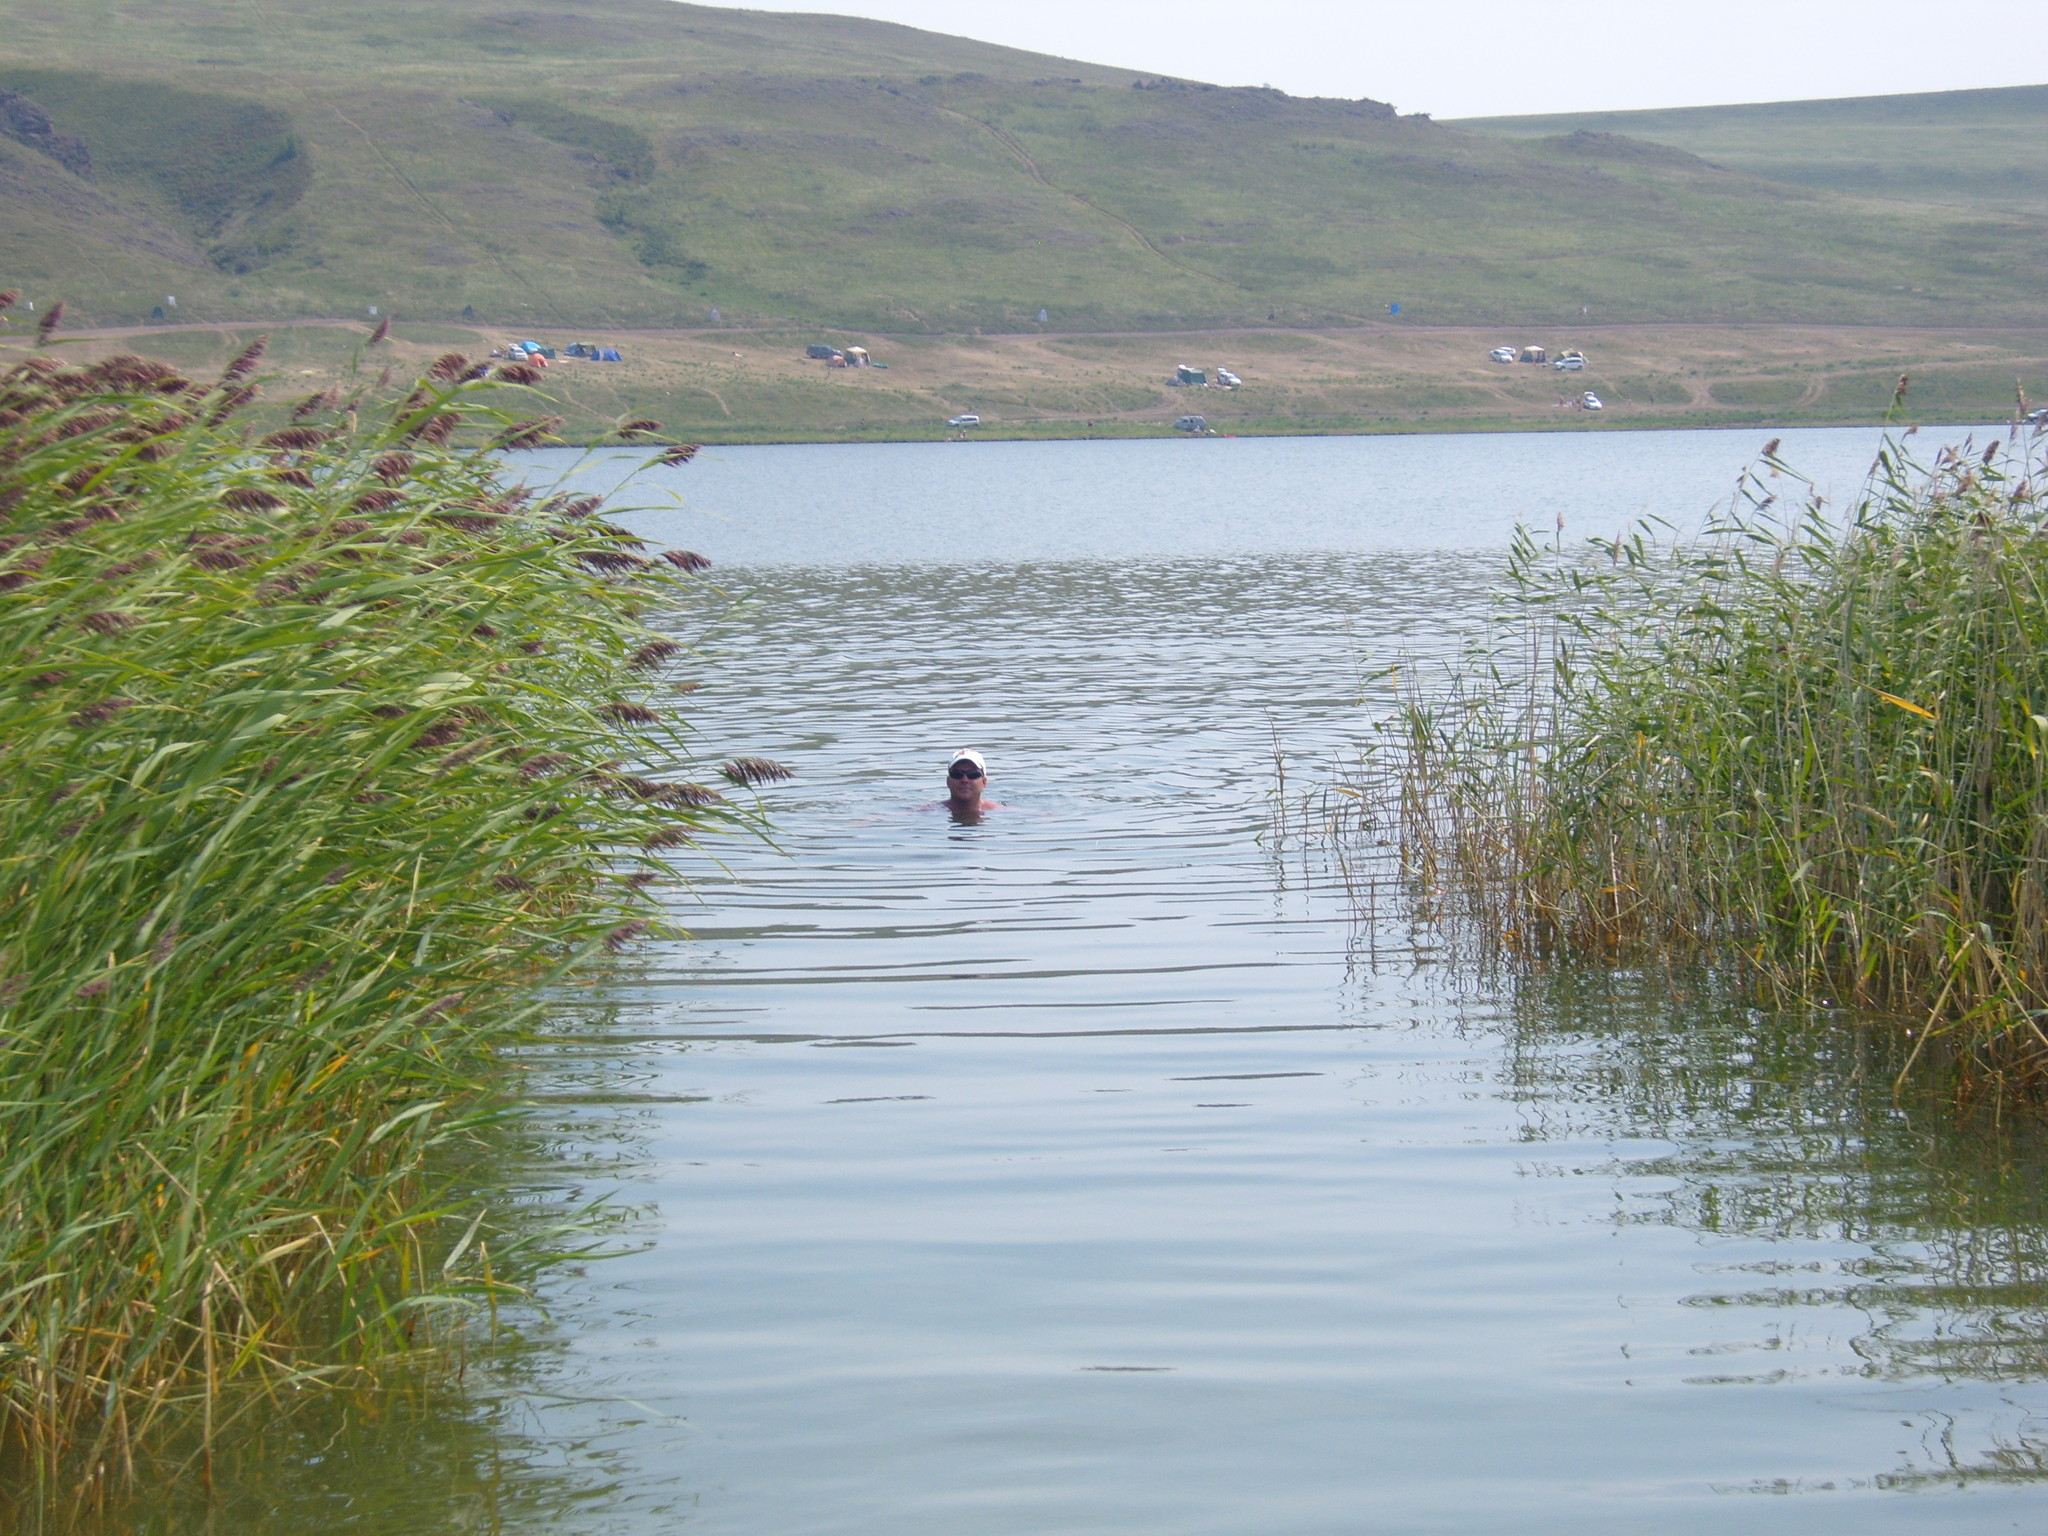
[(967, 419), (1571, 362), (1503, 354), (2038, 418), (1190, 423), (1591, 401), (1227, 379), (821, 351)]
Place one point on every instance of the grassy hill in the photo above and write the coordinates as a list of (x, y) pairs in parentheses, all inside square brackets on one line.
[(1974, 149), (639, 163)]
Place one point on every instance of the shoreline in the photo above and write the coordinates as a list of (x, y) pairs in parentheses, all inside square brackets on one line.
[(1048, 433), (730, 386)]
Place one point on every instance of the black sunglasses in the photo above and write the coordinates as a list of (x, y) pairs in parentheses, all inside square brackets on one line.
[(963, 771)]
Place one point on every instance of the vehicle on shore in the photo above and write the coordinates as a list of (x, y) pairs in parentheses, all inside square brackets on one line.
[(1571, 362), (965, 419), (1503, 355), (1591, 402)]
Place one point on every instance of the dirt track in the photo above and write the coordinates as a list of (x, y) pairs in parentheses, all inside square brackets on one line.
[(730, 384)]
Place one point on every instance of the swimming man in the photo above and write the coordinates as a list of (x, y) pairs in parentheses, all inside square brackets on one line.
[(966, 778)]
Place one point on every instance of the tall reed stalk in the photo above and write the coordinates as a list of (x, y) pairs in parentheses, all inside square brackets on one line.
[(318, 751), (1809, 742)]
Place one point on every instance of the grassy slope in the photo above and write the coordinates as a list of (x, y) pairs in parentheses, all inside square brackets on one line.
[(1984, 149), (634, 162)]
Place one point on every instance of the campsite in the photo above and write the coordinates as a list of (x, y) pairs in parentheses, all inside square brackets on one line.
[(732, 385)]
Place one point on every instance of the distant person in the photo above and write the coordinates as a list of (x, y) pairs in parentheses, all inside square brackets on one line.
[(966, 783)]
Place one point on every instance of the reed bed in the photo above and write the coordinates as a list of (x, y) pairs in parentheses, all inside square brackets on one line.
[(320, 749), (1806, 744)]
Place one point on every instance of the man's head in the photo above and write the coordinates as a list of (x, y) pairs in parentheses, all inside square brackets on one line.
[(966, 777)]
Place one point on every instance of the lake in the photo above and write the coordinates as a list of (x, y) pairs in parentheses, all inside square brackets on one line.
[(1100, 1168)]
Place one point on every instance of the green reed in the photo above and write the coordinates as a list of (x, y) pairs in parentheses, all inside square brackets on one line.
[(319, 752), (1806, 741)]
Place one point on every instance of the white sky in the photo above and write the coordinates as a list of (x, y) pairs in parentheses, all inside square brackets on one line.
[(1472, 58)]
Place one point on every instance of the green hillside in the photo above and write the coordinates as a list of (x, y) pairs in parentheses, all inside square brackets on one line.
[(1985, 149), (639, 162)]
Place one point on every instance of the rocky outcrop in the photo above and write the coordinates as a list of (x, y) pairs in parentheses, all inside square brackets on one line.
[(24, 121)]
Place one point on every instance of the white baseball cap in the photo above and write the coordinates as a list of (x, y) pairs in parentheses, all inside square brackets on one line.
[(968, 755)]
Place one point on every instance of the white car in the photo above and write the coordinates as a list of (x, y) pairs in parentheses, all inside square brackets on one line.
[(1503, 354), (1573, 364), (1591, 401), (968, 420)]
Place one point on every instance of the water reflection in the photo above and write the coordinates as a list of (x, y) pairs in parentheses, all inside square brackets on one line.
[(399, 1462), (429, 1456), (1899, 1235), (475, 1449)]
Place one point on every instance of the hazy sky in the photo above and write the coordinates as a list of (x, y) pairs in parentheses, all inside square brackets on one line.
[(1468, 58)]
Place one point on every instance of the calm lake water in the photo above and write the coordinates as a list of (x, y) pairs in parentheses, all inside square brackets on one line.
[(1096, 1169)]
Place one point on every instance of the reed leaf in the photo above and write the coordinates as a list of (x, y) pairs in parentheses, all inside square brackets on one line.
[(309, 747), (1809, 743)]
